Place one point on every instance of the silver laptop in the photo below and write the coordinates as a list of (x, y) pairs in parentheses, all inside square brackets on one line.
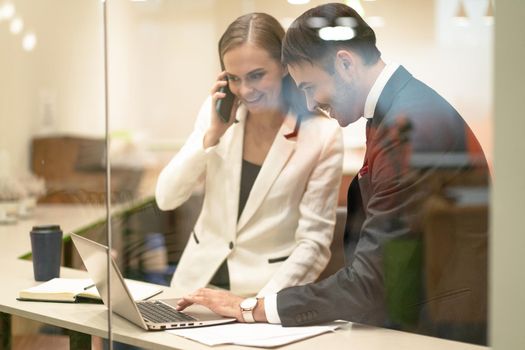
[(149, 314)]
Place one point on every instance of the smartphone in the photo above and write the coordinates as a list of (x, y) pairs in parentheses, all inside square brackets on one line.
[(224, 105)]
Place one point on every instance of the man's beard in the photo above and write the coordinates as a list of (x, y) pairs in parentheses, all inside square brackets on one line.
[(343, 107)]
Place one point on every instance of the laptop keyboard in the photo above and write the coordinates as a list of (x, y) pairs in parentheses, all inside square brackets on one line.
[(161, 313)]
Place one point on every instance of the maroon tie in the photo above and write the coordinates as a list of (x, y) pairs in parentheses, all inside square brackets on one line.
[(364, 169)]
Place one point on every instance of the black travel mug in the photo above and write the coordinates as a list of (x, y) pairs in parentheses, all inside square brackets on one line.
[(46, 247)]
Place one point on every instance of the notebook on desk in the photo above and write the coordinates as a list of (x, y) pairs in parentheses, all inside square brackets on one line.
[(149, 314), (78, 290)]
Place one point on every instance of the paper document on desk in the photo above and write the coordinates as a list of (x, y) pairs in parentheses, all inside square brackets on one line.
[(253, 334)]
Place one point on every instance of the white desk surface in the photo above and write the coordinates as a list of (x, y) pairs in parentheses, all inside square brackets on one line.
[(70, 217), (92, 319)]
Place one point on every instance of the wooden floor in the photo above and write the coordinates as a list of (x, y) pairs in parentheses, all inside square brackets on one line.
[(48, 342), (32, 335)]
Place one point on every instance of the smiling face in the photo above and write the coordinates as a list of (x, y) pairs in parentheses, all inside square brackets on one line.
[(340, 97), (254, 77)]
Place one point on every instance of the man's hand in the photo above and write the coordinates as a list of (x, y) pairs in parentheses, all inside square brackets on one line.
[(221, 302)]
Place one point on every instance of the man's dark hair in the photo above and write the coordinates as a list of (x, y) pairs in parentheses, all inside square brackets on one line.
[(303, 42)]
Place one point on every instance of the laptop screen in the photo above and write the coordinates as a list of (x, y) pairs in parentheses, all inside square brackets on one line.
[(94, 256)]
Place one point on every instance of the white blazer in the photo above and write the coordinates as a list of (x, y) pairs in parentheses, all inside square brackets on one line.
[(283, 235)]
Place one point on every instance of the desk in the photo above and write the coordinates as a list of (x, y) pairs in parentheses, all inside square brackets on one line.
[(75, 218), (71, 218), (91, 319)]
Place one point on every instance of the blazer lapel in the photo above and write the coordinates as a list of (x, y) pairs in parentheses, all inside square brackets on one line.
[(280, 151), (230, 149), (232, 140)]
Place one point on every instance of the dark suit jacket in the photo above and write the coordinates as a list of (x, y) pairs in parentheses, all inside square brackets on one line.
[(417, 148)]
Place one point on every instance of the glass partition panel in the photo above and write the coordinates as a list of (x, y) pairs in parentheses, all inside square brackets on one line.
[(198, 203), (52, 150)]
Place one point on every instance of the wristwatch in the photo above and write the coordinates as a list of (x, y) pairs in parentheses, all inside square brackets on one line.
[(247, 306)]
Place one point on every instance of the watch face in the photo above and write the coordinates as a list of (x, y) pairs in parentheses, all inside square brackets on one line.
[(249, 303)]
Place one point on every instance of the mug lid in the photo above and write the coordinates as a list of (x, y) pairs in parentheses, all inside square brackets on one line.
[(46, 228)]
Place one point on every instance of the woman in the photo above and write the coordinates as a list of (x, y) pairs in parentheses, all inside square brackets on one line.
[(271, 174)]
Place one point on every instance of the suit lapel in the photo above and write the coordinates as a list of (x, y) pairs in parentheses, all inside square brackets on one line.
[(396, 82), (279, 153)]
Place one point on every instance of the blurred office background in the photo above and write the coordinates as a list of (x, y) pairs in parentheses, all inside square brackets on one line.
[(163, 59)]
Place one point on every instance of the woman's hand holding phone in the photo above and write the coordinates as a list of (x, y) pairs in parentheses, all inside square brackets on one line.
[(222, 101)]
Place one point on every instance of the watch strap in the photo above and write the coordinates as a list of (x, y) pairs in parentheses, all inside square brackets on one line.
[(247, 312), (247, 315)]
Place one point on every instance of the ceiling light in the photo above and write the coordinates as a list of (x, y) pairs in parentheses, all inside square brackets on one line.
[(346, 22), (16, 25), (489, 15), (461, 12), (461, 17), (7, 10), (336, 33), (317, 22), (298, 2), (490, 9), (29, 41)]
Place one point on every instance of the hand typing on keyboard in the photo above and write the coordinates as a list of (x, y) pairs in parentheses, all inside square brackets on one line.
[(221, 302)]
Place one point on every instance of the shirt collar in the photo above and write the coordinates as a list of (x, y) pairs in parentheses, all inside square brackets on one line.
[(377, 89)]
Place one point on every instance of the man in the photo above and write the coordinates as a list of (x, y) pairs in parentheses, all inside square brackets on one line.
[(411, 265)]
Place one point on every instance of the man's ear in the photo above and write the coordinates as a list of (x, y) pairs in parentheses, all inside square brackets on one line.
[(345, 63)]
